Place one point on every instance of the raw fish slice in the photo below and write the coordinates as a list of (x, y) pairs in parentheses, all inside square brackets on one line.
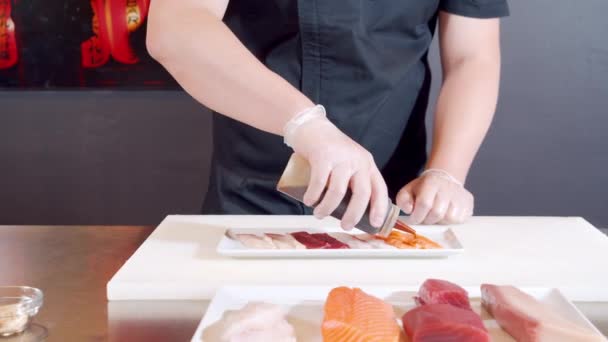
[(281, 331), (258, 322), (252, 240), (528, 320), (285, 241), (409, 241), (374, 241), (435, 291), (333, 243), (353, 315), (444, 322), (351, 241), (310, 241)]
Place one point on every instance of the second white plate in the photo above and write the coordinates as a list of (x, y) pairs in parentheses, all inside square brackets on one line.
[(305, 307)]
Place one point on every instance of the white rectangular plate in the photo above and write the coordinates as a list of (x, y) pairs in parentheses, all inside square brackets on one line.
[(442, 235), (305, 307)]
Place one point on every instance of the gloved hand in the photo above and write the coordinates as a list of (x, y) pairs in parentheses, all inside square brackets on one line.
[(435, 197), (338, 163)]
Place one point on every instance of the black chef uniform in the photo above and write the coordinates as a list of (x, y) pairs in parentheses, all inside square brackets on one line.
[(364, 60)]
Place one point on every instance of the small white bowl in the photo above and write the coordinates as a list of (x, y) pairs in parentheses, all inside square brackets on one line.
[(18, 305)]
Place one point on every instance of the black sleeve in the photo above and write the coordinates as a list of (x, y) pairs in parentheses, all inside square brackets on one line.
[(476, 8)]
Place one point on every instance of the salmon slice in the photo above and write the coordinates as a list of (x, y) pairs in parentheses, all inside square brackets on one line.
[(409, 241), (353, 315)]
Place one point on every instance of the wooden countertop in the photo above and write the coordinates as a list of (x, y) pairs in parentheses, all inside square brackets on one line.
[(72, 265)]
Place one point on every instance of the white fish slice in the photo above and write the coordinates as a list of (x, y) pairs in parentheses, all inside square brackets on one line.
[(252, 240), (285, 241), (258, 321), (352, 241)]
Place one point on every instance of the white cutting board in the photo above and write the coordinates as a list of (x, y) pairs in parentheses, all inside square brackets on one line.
[(179, 260)]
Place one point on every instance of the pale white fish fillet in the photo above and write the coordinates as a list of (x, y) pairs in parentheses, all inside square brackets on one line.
[(352, 241), (286, 241), (376, 243), (256, 321), (529, 320), (252, 240), (280, 332)]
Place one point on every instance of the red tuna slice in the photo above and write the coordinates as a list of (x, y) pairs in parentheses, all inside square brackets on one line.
[(333, 242), (528, 320), (436, 291), (442, 323), (310, 241)]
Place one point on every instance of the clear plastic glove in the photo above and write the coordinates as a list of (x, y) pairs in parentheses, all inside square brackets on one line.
[(339, 163), (434, 198)]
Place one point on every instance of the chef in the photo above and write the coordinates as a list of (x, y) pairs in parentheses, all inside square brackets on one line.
[(343, 83)]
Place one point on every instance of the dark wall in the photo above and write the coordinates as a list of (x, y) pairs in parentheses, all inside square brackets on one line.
[(133, 157), (547, 152), (101, 157)]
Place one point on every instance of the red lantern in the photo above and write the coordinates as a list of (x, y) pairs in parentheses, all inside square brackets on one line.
[(9, 56)]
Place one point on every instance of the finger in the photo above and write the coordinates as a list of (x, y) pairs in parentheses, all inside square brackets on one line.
[(451, 215), (336, 189), (379, 200), (319, 174), (423, 201), (439, 208), (467, 210), (361, 192), (405, 198)]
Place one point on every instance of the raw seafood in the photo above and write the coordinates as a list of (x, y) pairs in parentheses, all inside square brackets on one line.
[(528, 320), (436, 291), (285, 241), (333, 243), (310, 241), (353, 315), (351, 240), (444, 322), (257, 322), (252, 240), (374, 241), (407, 241)]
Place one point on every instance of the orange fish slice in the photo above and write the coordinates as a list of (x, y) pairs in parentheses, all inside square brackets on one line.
[(409, 241), (353, 315)]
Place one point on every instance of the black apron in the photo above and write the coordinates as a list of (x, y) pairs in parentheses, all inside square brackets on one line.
[(364, 60)]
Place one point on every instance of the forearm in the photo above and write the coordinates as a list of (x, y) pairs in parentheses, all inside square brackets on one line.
[(465, 109), (214, 67)]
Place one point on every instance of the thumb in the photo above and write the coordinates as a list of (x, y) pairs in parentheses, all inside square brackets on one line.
[(405, 198)]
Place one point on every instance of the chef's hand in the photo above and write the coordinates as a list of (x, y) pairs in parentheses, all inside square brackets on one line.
[(435, 197), (338, 163)]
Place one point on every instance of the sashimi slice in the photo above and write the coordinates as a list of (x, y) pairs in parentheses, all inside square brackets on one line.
[(285, 241), (310, 241), (333, 243), (528, 320), (353, 315), (252, 240), (444, 322), (374, 241), (409, 241), (352, 241), (258, 322), (436, 291)]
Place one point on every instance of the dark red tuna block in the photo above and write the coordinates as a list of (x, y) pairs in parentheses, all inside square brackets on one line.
[(333, 242), (435, 291), (442, 323), (310, 241)]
